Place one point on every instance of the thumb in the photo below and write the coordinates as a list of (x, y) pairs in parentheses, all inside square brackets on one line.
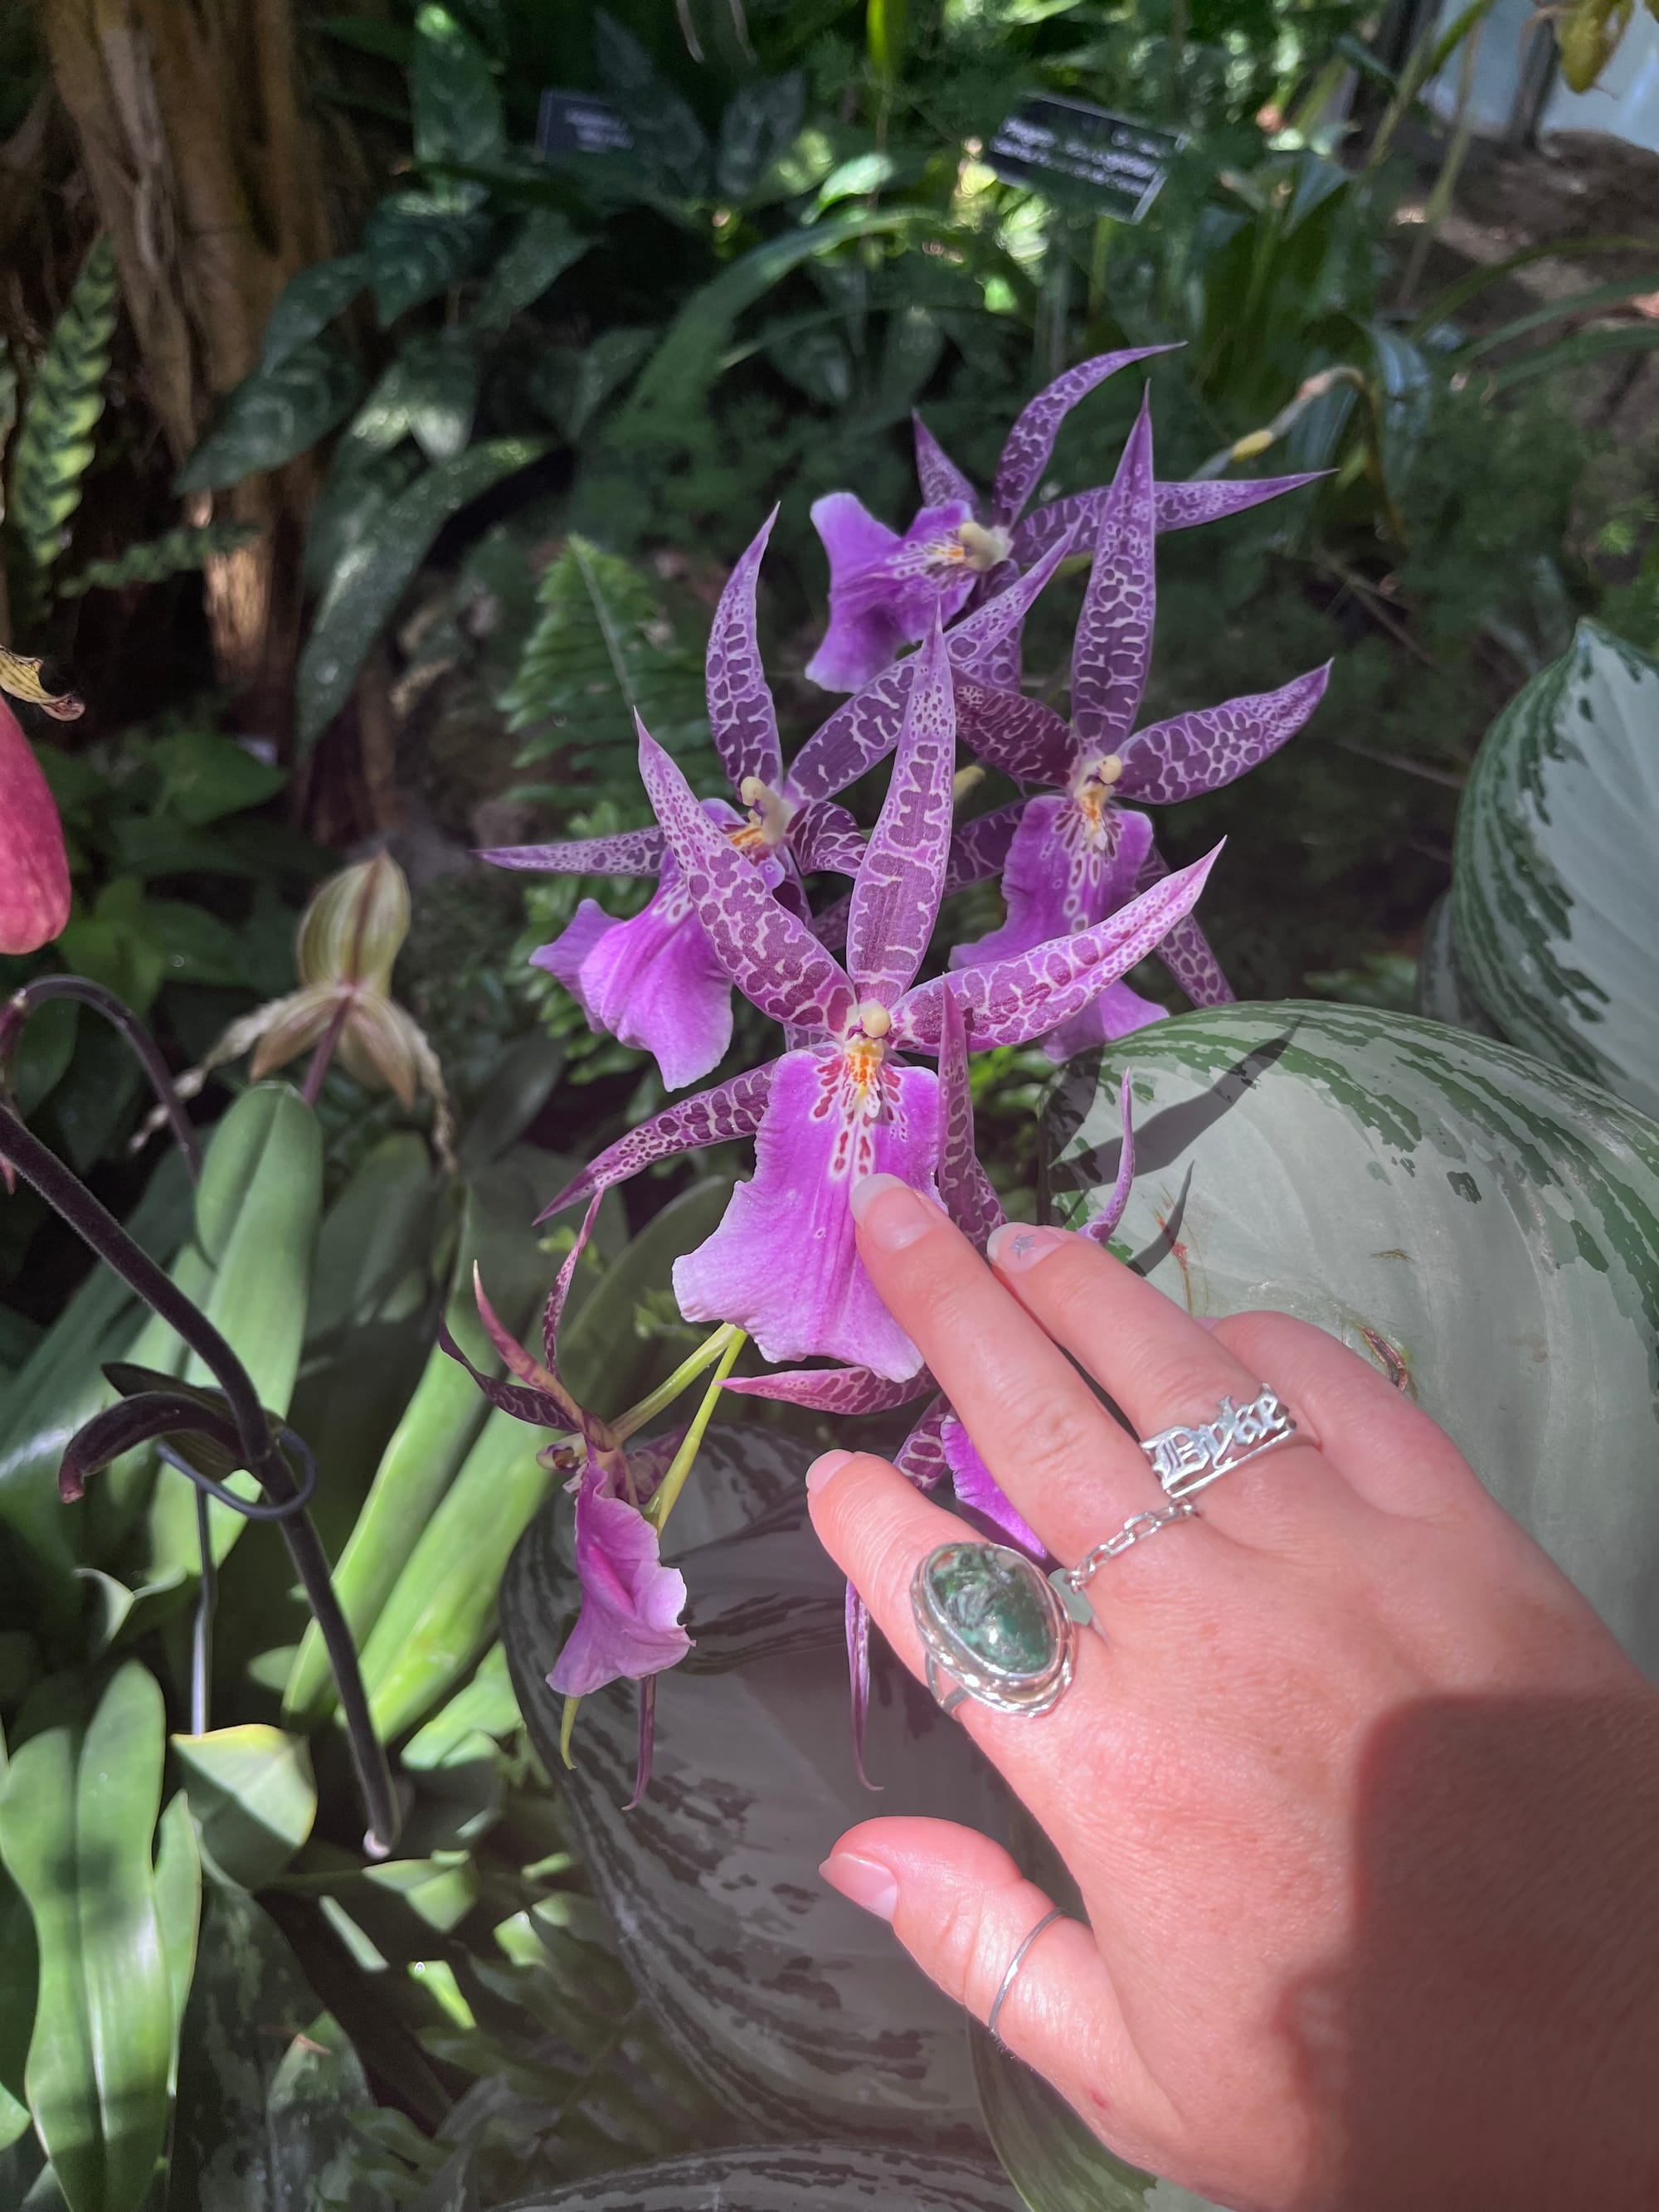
[(961, 1909)]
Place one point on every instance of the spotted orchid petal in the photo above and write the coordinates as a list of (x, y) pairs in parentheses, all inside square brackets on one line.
[(741, 719), (848, 1390), (979, 847), (885, 589), (1177, 506), (964, 1188), (629, 1621), (1100, 1229), (1208, 748), (771, 956), (652, 980), (1114, 645), (1185, 950), (1011, 1001), (630, 853), (1059, 878), (783, 1263), (921, 1458), (1030, 443), (977, 634), (896, 892), (825, 840), (553, 1312), (537, 1397), (1025, 739), (940, 478), (1117, 1012), (720, 1116), (979, 1492)]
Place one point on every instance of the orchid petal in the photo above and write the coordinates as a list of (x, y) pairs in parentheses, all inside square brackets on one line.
[(973, 640), (938, 474), (1177, 507), (630, 1622), (847, 1390), (1029, 444), (1011, 1001), (653, 980), (896, 892), (1117, 1012), (964, 1188), (729, 1111), (1185, 950), (630, 853), (885, 591), (524, 1402), (741, 719), (830, 927), (516, 1361), (783, 1265), (1057, 880), (979, 1490), (825, 840), (1100, 1229), (1114, 646), (772, 958), (921, 1458), (1213, 745), (979, 847), (1025, 739), (553, 1312)]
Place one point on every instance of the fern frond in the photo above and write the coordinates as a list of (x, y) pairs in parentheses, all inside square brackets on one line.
[(65, 398), (170, 554)]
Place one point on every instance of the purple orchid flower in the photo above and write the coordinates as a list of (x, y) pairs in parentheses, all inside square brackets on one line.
[(838, 1104), (937, 1443), (653, 980), (1074, 857), (885, 586)]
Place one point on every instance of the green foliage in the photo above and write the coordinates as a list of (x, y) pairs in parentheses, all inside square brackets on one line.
[(275, 414), (64, 400), (175, 553)]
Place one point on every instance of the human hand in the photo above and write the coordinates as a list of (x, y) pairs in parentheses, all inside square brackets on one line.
[(1361, 1797)]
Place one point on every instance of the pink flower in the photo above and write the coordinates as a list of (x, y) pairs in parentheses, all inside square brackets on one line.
[(34, 882)]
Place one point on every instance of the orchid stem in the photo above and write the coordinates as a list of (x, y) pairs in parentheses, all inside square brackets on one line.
[(120, 1016), (668, 1490), (96, 1227), (566, 1722), (684, 1375)]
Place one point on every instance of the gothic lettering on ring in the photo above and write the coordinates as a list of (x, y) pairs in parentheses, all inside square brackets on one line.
[(1187, 1459)]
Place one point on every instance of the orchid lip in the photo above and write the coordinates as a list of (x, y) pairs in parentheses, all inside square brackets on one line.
[(769, 816)]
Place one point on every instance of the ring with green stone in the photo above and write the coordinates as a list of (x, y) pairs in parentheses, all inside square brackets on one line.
[(992, 1620)]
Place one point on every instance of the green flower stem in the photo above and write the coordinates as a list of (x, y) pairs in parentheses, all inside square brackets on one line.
[(684, 1375), (668, 1490)]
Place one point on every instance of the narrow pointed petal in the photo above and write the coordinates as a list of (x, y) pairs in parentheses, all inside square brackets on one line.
[(784, 1264), (1117, 1012), (896, 892), (964, 1188), (1011, 1001), (1202, 750), (973, 642), (292, 1026), (938, 474), (630, 1622), (979, 847), (1185, 950), (858, 1678), (846, 1390), (1178, 507), (1058, 879), (729, 1111), (652, 980), (921, 1458), (1025, 739), (1031, 440), (1114, 646), (541, 1381), (741, 719), (629, 853), (773, 959), (520, 1399), (1100, 1229), (825, 840), (553, 1312), (979, 1490)]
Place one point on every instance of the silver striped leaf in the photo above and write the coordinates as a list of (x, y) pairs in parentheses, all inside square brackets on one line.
[(809, 2176)]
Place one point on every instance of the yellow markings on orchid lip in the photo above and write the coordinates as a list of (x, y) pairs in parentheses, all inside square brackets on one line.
[(983, 548), (875, 1019)]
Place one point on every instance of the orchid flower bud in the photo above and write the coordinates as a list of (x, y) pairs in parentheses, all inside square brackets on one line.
[(354, 925), (34, 881)]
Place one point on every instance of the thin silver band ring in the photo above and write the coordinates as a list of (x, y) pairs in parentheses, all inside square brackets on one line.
[(1014, 1966)]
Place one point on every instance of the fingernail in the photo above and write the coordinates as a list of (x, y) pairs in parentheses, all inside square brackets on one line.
[(1017, 1246), (826, 1465), (890, 1213), (863, 1882)]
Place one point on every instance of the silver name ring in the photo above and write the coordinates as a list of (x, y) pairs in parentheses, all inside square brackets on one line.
[(995, 1629), (1186, 1460)]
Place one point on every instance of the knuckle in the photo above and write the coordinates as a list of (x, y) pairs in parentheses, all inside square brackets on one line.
[(974, 1952), (1059, 1430)]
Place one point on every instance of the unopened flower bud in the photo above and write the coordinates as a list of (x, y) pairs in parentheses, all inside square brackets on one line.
[(34, 881), (354, 928)]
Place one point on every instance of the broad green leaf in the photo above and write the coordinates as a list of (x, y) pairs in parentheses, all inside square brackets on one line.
[(18, 1965), (486, 1706), (65, 398), (274, 414), (597, 657), (253, 1798), (669, 144), (266, 2089), (429, 393), (178, 1908), (1555, 895), (761, 120), (815, 2177), (206, 776), (570, 384), (1482, 1226), (77, 1817), (788, 2004), (374, 1244), (1443, 992), (417, 245), (369, 581), (362, 483), (543, 249), (458, 109), (309, 303)]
